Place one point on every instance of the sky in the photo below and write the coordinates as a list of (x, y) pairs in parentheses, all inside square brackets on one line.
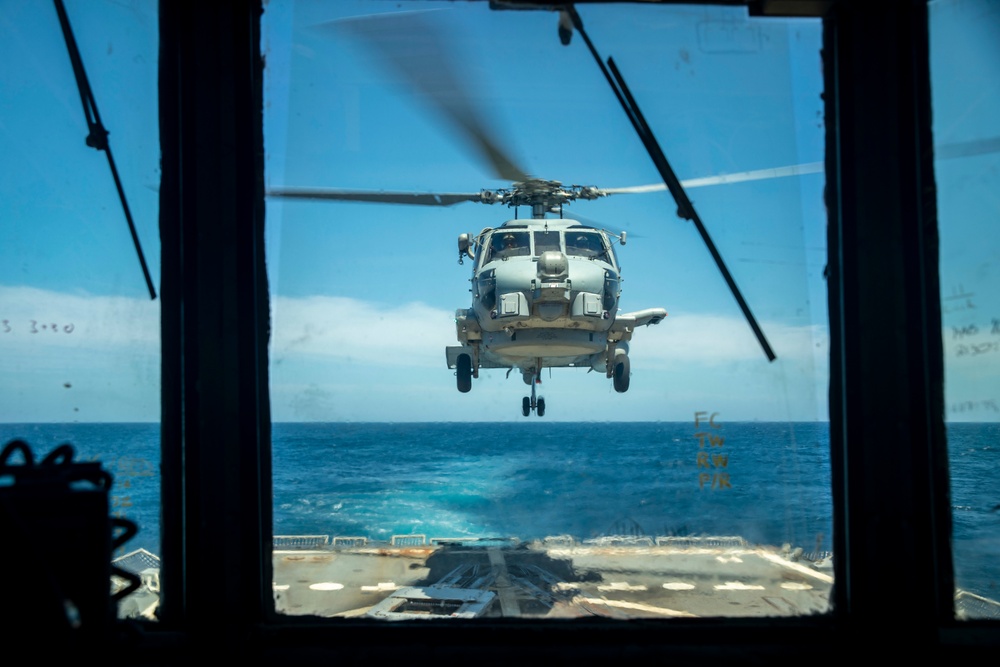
[(364, 295)]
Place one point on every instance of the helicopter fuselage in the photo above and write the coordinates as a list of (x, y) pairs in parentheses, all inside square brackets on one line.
[(545, 300), (545, 294)]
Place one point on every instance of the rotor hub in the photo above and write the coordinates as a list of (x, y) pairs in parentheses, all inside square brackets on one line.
[(540, 194)]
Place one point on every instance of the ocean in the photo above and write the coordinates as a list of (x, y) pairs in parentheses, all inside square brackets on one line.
[(766, 482)]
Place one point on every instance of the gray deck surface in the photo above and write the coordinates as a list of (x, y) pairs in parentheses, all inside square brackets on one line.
[(536, 580)]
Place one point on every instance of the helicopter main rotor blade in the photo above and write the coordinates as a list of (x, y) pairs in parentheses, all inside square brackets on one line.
[(723, 179), (413, 47), (380, 197)]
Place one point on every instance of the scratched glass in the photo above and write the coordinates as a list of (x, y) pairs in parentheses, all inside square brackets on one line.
[(965, 74), (79, 329), (701, 490)]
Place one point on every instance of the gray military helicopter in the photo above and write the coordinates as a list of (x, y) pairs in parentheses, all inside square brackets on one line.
[(545, 294), (545, 290)]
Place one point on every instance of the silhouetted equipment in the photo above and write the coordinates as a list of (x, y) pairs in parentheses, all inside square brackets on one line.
[(58, 545)]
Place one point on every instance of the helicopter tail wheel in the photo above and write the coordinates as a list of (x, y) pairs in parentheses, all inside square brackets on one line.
[(622, 373), (525, 406), (463, 372), (541, 407)]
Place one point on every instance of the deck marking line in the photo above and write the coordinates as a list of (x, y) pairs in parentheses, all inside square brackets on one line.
[(796, 586), (382, 586), (798, 568), (326, 586), (635, 605), (738, 586), (678, 586), (622, 586)]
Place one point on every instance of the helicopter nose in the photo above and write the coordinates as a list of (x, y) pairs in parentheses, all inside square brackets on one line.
[(553, 266)]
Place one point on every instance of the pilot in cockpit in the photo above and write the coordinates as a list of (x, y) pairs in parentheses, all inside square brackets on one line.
[(505, 245), (585, 245)]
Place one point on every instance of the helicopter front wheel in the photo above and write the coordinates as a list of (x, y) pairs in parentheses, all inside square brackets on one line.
[(622, 373), (463, 372)]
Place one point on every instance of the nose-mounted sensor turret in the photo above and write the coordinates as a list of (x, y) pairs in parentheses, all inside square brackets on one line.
[(552, 266)]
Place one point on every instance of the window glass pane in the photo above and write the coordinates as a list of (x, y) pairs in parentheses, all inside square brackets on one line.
[(507, 244), (584, 244), (574, 451), (546, 241), (79, 329), (965, 87)]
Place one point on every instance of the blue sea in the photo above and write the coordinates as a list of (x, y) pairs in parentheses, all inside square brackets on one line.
[(766, 482)]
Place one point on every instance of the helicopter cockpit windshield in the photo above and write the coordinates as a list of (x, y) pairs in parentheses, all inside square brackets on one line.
[(585, 244), (508, 244), (547, 240)]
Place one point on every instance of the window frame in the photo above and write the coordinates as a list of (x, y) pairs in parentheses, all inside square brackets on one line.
[(889, 458)]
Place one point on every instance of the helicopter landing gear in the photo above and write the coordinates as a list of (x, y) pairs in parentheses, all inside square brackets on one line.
[(463, 372), (529, 404), (621, 372)]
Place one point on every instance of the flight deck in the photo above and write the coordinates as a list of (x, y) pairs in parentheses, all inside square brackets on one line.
[(413, 577)]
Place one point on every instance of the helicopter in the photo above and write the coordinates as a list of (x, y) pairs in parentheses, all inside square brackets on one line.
[(545, 290), (545, 294)]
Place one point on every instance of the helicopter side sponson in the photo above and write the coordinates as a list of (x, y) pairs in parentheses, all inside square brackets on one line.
[(545, 293)]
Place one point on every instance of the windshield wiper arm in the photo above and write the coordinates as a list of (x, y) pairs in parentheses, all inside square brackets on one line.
[(685, 209), (98, 136)]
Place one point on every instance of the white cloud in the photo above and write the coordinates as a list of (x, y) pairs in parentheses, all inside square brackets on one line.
[(415, 334), (342, 358), (67, 357), (33, 320), (716, 340), (412, 334)]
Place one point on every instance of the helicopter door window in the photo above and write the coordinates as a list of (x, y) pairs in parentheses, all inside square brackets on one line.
[(546, 241), (584, 244)]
